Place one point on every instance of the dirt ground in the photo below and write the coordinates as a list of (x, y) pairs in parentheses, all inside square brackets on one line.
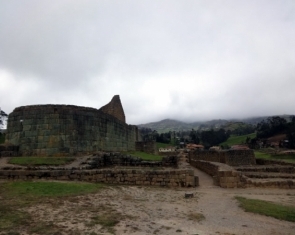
[(156, 210)]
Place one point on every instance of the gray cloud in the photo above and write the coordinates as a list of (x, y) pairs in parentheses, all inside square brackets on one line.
[(188, 60)]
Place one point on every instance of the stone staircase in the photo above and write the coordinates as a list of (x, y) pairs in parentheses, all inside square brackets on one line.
[(277, 176)]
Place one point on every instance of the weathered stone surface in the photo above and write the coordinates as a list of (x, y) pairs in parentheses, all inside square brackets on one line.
[(112, 176), (115, 108)]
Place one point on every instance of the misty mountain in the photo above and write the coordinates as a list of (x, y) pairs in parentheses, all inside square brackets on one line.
[(3, 119), (167, 125)]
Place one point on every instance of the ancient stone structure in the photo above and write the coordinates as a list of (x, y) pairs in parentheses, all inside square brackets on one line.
[(69, 130), (230, 157), (100, 160), (174, 178), (115, 109)]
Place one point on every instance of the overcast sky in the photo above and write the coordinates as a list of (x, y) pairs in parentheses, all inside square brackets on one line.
[(185, 60)]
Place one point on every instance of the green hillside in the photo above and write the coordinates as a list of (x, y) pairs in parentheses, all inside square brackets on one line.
[(241, 139)]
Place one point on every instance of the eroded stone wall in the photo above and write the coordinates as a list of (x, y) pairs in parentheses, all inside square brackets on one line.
[(67, 130), (174, 178)]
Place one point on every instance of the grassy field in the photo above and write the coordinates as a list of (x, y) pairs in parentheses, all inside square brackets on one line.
[(38, 161), (237, 139), (267, 208), (281, 157), (17, 196), (162, 145), (145, 156)]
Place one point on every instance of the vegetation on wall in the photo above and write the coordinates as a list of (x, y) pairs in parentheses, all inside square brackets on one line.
[(2, 138)]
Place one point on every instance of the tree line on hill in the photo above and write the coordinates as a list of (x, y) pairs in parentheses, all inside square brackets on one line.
[(207, 138), (264, 129), (275, 126)]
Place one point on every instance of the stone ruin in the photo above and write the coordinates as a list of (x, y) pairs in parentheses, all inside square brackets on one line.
[(62, 130)]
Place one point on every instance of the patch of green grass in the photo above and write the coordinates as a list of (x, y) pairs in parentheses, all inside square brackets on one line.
[(107, 220), (47, 189), (268, 208), (17, 196), (11, 217), (196, 217), (237, 139), (2, 138), (146, 156), (280, 157), (38, 161), (162, 145), (46, 228)]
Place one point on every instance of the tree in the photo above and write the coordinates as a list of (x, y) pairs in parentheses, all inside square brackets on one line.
[(194, 137), (291, 133), (272, 126)]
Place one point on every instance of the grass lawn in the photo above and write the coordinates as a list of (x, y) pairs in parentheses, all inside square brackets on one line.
[(2, 138), (281, 157), (47, 189), (268, 208), (162, 145), (37, 161), (237, 139), (17, 196), (145, 156)]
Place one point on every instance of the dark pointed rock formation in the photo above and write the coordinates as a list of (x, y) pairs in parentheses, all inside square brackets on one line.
[(115, 108)]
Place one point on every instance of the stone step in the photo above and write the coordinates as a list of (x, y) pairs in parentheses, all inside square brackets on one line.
[(267, 168), (269, 175)]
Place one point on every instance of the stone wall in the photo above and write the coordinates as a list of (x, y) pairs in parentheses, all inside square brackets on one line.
[(230, 157), (223, 175), (8, 150), (100, 160), (174, 178), (67, 130)]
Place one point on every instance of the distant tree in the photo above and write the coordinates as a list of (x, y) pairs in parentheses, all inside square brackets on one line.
[(211, 137), (194, 137), (291, 133), (271, 126)]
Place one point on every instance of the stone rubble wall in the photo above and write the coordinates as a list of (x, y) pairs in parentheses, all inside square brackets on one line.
[(229, 157), (289, 169), (171, 178), (46, 130), (100, 160), (8, 150)]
